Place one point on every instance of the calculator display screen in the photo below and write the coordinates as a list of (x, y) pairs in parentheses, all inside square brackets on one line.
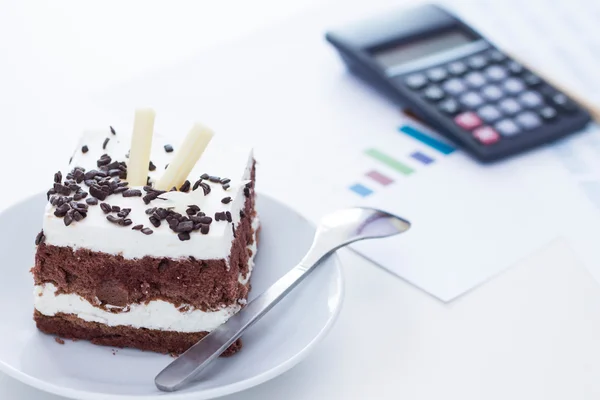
[(408, 51)]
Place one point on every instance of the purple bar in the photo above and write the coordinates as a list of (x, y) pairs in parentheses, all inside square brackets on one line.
[(380, 178), (422, 157)]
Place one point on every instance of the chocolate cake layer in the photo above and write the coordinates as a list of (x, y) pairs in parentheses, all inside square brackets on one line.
[(70, 327), (114, 280)]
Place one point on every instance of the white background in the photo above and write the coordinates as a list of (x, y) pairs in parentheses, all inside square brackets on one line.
[(532, 333)]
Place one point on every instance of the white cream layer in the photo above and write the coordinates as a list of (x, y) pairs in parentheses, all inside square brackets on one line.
[(97, 234), (156, 314)]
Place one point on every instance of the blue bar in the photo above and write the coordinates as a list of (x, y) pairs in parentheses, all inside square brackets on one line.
[(426, 139), (361, 190), (417, 155)]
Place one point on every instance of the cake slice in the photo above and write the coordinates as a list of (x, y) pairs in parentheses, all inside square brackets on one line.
[(137, 267)]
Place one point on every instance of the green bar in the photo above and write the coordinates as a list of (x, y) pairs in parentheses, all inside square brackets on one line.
[(389, 161)]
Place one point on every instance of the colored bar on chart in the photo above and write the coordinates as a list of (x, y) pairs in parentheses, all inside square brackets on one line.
[(416, 134), (425, 159), (379, 178), (361, 190), (389, 161)]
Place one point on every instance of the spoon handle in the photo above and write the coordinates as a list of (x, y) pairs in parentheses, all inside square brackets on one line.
[(187, 366)]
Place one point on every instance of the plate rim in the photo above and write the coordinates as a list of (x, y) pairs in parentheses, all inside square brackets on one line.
[(234, 387)]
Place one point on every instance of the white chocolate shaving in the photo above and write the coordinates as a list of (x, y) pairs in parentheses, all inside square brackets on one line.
[(141, 143)]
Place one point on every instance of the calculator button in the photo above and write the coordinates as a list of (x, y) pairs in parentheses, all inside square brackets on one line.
[(477, 62), (531, 79), (433, 93), (514, 67), (449, 106), (436, 74), (475, 79), (507, 127), (496, 55), (415, 81), (509, 106), (471, 100), (528, 120), (457, 68), (489, 113), (513, 85), (548, 113), (467, 120), (562, 101), (486, 135), (454, 86), (496, 73), (492, 92), (531, 99)]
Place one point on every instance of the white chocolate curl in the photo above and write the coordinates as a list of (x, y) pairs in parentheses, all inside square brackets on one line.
[(141, 143), (186, 156)]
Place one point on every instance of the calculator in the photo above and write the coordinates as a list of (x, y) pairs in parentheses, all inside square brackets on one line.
[(438, 67)]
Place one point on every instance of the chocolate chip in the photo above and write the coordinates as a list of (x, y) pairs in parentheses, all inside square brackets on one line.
[(68, 219), (98, 193), (137, 227), (185, 187), (58, 177), (218, 216), (168, 148), (79, 196), (204, 229), (105, 159), (151, 166), (90, 182), (105, 143), (205, 187), (150, 196), (225, 180), (40, 238), (50, 193), (84, 149), (206, 220), (183, 236), (147, 231), (120, 189), (204, 176), (197, 184), (115, 208), (62, 210), (132, 193), (92, 201), (150, 211), (106, 208), (190, 211), (226, 200), (162, 213), (62, 189), (126, 222), (226, 186), (77, 216), (114, 172), (154, 221), (197, 226), (228, 216), (185, 226), (113, 219), (214, 179)]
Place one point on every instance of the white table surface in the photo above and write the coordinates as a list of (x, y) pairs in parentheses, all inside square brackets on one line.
[(531, 333)]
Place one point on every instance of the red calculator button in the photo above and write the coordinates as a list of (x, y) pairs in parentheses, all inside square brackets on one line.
[(486, 135), (467, 120)]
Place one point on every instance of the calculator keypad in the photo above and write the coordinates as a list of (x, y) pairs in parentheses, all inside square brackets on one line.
[(491, 96)]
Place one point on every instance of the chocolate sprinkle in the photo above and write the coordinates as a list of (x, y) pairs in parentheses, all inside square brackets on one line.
[(168, 148), (154, 221), (98, 193), (103, 160), (226, 186), (105, 143), (132, 193), (233, 230), (198, 182), (49, 193), (121, 189), (85, 149), (126, 222), (205, 188), (204, 229), (137, 227), (77, 216), (92, 201), (206, 220), (183, 236), (58, 177), (214, 179), (106, 207), (204, 176), (147, 231), (68, 219), (62, 210), (112, 130), (185, 226), (40, 238), (225, 180), (242, 214), (115, 208), (150, 211), (226, 200), (185, 187), (151, 166), (150, 196), (61, 189), (228, 216), (113, 219)]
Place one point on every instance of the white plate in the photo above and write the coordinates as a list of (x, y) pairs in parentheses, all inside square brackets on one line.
[(85, 371)]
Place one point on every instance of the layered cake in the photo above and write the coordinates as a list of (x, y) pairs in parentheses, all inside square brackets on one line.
[(139, 266)]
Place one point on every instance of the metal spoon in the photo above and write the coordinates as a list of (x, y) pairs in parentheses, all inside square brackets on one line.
[(336, 230)]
